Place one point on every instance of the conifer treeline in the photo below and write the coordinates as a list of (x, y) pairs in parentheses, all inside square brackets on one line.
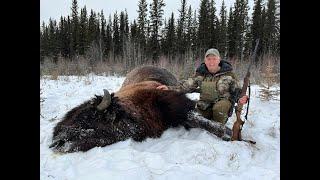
[(150, 36)]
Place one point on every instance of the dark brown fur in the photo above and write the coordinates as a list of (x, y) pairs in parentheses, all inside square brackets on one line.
[(137, 111)]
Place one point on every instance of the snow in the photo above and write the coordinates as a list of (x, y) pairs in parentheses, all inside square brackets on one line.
[(177, 154)]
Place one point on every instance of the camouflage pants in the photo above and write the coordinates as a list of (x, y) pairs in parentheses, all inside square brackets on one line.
[(218, 111)]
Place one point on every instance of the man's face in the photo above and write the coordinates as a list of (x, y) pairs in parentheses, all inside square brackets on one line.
[(212, 62)]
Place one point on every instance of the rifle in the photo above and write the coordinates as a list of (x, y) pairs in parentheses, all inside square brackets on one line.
[(237, 126)]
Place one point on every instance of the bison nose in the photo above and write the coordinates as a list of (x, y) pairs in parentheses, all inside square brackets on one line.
[(57, 143), (62, 146)]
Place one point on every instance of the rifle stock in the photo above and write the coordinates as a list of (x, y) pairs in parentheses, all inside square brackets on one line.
[(237, 126)]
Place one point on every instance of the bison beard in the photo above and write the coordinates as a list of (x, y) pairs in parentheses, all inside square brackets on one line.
[(136, 111)]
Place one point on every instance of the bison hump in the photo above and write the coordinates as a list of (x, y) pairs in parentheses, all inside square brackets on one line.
[(150, 73)]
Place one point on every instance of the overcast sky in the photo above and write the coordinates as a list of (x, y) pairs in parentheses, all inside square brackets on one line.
[(57, 8)]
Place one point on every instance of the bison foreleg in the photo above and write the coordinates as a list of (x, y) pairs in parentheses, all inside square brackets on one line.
[(195, 120)]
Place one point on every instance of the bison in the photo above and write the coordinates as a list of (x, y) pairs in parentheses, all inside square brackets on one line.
[(138, 110)]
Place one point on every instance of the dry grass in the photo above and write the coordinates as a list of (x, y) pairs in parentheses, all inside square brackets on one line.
[(257, 69), (54, 75), (77, 66), (182, 68), (270, 77)]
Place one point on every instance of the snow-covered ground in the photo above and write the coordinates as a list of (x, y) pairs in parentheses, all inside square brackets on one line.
[(177, 154)]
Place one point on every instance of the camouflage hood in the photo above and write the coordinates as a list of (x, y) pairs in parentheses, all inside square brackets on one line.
[(225, 67)]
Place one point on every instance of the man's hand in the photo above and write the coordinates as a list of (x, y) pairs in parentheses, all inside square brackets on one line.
[(163, 87), (243, 99)]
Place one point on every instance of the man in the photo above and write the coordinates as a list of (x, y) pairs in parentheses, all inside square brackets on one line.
[(218, 86)]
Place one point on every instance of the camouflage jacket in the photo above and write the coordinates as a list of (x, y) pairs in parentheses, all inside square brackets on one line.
[(224, 84)]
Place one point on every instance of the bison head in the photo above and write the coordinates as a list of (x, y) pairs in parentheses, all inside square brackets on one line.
[(97, 122), (105, 120)]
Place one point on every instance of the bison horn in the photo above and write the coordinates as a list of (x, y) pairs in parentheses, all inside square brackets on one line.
[(106, 100)]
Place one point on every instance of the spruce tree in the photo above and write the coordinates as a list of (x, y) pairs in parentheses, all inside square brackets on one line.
[(109, 42), (57, 41), (188, 28), (123, 34), (239, 26), (222, 31), (170, 38), (270, 27), (97, 30), (263, 34), (142, 23), (163, 33), (41, 47), (156, 13), (231, 35), (181, 28), (92, 27), (75, 26), (212, 25), (248, 39), (116, 35), (83, 31), (126, 24), (277, 51), (59, 33), (53, 39), (257, 25), (70, 50), (44, 40), (126, 33), (133, 40), (194, 34), (134, 32), (204, 26), (64, 41), (103, 36)]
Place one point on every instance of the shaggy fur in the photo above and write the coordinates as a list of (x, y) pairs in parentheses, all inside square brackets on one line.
[(147, 114), (138, 110)]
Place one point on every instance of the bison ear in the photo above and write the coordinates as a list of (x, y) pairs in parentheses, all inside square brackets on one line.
[(106, 101)]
